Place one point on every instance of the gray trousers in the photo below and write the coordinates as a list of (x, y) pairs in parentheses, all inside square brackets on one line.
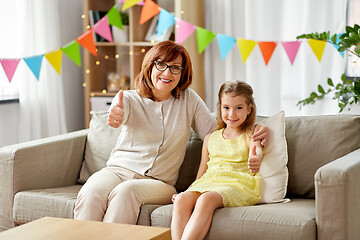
[(116, 194)]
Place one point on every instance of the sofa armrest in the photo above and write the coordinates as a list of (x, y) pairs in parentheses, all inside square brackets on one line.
[(337, 195), (44, 163)]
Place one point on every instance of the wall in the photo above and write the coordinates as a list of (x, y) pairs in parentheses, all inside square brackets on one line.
[(70, 28)]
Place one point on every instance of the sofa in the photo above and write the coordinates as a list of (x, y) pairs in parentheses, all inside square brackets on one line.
[(42, 178)]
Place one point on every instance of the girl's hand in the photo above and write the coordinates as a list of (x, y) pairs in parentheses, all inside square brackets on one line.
[(261, 133), (173, 197), (254, 160), (116, 113)]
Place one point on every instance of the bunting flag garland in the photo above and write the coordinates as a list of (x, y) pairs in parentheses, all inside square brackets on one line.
[(318, 47), (149, 10), (291, 49), (9, 66), (102, 28), (204, 38), (226, 43), (267, 49), (183, 31), (87, 41), (114, 18), (166, 20), (54, 59), (72, 50), (245, 47), (34, 63)]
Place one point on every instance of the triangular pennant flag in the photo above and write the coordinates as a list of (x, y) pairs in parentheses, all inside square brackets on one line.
[(318, 47), (102, 28), (291, 49), (149, 10), (34, 63), (226, 43), (9, 66), (129, 4), (72, 50), (114, 18), (267, 49), (87, 41), (245, 47), (54, 59), (183, 30), (337, 41), (166, 20), (204, 38)]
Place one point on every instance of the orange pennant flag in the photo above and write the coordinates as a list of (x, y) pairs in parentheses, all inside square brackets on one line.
[(149, 10), (87, 41), (267, 49), (318, 47), (54, 59)]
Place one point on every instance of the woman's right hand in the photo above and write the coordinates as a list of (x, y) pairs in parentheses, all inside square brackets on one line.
[(116, 112)]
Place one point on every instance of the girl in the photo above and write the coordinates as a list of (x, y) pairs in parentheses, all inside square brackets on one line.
[(227, 175)]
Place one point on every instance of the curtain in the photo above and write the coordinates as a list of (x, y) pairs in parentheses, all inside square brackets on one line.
[(279, 85), (32, 28)]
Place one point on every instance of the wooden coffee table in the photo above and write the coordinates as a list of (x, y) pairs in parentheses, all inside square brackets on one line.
[(65, 229)]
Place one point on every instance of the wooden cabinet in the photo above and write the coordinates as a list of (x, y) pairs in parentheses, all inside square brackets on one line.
[(125, 58)]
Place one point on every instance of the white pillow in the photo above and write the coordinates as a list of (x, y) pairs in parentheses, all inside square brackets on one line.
[(273, 169), (101, 140)]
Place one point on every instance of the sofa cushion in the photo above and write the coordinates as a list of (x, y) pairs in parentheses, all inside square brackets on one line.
[(292, 220), (314, 141), (101, 139), (53, 202)]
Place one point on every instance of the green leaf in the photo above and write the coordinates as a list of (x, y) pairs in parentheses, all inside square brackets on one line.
[(343, 78), (357, 49), (334, 38), (321, 89), (357, 88), (330, 82), (313, 95)]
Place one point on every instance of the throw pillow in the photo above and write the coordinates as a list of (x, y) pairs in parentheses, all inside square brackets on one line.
[(101, 139), (273, 168)]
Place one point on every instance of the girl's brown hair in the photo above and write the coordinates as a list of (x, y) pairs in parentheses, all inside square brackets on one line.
[(238, 88), (165, 51)]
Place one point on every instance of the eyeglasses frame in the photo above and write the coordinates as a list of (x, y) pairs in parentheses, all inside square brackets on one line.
[(167, 66)]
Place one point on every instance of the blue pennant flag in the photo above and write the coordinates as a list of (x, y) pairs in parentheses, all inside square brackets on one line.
[(226, 43), (337, 41), (34, 64), (166, 20)]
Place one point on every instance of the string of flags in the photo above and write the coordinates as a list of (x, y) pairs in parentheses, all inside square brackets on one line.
[(183, 30)]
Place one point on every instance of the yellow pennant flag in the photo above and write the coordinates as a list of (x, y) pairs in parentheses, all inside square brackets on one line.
[(318, 47), (245, 47), (54, 59), (129, 4)]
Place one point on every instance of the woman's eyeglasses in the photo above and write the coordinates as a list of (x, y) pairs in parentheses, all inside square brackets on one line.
[(174, 69)]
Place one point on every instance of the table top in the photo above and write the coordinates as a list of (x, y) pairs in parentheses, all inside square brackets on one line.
[(64, 229)]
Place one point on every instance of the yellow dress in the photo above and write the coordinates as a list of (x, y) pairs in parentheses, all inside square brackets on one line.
[(228, 172)]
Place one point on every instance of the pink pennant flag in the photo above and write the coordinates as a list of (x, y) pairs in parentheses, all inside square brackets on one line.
[(9, 66), (183, 30), (102, 28), (291, 49)]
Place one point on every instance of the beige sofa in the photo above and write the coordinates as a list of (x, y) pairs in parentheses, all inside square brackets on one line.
[(40, 178)]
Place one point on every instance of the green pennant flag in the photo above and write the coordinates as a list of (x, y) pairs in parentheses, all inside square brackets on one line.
[(72, 50), (204, 38), (115, 18)]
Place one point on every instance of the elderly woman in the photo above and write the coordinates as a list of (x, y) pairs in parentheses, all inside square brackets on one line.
[(156, 119)]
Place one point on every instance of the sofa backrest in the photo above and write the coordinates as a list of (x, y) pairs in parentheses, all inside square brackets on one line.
[(312, 142)]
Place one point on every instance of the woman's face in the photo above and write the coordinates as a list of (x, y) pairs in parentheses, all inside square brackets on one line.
[(165, 81)]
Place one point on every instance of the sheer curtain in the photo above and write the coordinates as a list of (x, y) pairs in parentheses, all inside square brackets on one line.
[(32, 28), (280, 84)]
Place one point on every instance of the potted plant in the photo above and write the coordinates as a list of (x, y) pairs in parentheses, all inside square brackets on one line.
[(122, 35), (347, 92)]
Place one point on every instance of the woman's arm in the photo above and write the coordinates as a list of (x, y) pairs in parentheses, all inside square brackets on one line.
[(255, 156), (204, 158)]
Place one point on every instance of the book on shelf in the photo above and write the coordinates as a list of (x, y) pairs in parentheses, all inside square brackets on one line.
[(95, 16)]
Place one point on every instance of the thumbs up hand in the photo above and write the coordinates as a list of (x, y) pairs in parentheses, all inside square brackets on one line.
[(116, 112), (255, 157)]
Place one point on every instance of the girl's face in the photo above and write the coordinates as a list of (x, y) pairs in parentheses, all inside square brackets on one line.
[(165, 81), (234, 110)]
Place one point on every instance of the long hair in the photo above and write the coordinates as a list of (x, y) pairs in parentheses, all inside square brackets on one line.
[(165, 51), (238, 88)]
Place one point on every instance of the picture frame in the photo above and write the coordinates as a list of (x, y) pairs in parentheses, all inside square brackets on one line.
[(151, 34)]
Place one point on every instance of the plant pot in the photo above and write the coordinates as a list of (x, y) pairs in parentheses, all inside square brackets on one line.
[(120, 35)]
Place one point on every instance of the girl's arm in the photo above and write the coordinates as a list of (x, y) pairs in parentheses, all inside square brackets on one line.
[(255, 156)]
